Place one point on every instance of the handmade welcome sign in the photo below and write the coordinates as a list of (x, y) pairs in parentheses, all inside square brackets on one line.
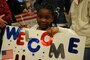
[(29, 44)]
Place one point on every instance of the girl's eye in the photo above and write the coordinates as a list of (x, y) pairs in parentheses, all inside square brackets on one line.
[(40, 16), (44, 16), (47, 17)]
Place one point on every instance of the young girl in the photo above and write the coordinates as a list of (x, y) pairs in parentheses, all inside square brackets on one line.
[(45, 18)]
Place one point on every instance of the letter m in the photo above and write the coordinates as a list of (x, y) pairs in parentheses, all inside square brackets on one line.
[(57, 52)]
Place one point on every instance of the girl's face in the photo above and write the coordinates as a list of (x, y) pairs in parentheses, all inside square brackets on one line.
[(44, 19)]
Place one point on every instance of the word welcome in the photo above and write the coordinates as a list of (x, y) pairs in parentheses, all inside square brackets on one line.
[(18, 35)]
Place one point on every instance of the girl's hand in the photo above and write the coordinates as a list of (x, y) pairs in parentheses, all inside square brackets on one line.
[(52, 31)]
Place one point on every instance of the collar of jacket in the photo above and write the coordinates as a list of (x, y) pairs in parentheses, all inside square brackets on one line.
[(78, 1)]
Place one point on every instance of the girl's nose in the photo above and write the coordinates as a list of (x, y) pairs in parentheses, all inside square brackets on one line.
[(43, 19)]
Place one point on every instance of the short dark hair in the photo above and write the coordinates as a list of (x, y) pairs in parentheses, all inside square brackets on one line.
[(46, 6)]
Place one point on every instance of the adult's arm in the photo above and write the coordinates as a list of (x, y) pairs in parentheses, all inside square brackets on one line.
[(6, 12)]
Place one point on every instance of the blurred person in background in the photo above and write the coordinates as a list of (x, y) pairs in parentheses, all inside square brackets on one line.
[(80, 18), (5, 18), (30, 4), (16, 7)]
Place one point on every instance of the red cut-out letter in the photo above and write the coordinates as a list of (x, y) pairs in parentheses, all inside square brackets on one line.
[(49, 41), (19, 42)]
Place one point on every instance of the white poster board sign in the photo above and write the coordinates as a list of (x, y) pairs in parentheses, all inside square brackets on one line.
[(29, 44)]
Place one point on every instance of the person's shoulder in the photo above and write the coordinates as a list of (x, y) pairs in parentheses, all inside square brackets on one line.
[(34, 27), (67, 30), (61, 28)]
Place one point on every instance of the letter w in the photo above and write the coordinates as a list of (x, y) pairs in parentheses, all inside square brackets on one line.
[(12, 32)]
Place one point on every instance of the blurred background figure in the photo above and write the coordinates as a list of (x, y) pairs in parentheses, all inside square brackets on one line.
[(16, 7), (30, 4), (5, 18), (80, 18)]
